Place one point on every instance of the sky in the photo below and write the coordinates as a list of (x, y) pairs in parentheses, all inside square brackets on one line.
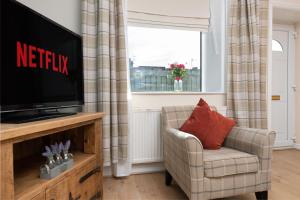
[(161, 47)]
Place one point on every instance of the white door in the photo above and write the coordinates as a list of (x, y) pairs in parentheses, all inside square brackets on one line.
[(280, 70)]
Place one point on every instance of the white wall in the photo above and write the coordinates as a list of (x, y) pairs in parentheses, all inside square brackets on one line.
[(65, 12), (156, 101), (288, 4)]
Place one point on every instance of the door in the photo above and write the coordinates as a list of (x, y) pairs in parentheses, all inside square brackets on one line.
[(280, 84)]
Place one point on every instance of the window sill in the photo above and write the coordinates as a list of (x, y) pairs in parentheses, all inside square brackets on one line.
[(178, 93)]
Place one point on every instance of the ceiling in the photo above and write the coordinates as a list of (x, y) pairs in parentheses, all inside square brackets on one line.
[(286, 16)]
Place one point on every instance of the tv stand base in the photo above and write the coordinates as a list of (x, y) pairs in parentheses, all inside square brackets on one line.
[(23, 117)]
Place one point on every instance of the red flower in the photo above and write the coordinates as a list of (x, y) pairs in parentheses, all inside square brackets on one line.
[(180, 66), (172, 66), (177, 78)]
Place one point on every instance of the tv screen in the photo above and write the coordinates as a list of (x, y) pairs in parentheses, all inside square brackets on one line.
[(41, 61)]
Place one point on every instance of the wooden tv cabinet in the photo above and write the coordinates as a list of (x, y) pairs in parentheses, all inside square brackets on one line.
[(20, 154)]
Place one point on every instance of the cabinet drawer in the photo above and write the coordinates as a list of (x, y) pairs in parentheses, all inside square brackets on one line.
[(88, 181), (58, 191), (83, 184)]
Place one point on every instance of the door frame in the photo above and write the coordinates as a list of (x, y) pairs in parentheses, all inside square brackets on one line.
[(290, 84)]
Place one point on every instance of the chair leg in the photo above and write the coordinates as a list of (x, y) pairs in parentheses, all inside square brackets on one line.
[(168, 178), (261, 195)]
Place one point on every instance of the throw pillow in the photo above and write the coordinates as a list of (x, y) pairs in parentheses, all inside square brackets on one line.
[(210, 127)]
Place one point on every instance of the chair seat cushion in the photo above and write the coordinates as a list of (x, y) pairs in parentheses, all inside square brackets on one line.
[(227, 161)]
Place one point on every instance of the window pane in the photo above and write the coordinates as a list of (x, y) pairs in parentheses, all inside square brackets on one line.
[(276, 46), (152, 50)]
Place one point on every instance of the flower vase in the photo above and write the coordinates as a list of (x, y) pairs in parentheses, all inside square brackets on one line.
[(178, 85)]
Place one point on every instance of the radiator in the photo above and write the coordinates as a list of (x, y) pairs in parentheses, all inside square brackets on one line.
[(146, 138)]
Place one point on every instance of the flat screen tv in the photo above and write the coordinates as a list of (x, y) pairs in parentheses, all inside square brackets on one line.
[(41, 61)]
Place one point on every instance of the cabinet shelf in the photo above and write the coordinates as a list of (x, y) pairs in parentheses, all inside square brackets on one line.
[(28, 183)]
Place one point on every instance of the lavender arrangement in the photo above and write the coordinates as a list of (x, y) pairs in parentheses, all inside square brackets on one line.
[(58, 160)]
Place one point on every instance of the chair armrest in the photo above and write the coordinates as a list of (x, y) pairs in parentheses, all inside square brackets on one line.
[(183, 157), (254, 141), (258, 142)]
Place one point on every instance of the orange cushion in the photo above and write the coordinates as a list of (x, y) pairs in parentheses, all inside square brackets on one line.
[(210, 127)]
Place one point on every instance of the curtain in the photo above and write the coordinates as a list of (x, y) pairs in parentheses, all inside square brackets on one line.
[(105, 73), (247, 62)]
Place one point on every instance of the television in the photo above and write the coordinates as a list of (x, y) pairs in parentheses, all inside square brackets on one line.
[(41, 63)]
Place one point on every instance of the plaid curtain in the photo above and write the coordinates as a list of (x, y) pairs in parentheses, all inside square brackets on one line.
[(105, 72), (247, 62)]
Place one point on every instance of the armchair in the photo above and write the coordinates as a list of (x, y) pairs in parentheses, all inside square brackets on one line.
[(242, 165)]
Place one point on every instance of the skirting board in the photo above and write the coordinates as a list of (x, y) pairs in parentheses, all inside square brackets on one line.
[(284, 144), (283, 148), (297, 146), (139, 169), (107, 171), (147, 168)]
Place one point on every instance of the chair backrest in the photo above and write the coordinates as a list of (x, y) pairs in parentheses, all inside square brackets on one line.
[(175, 116)]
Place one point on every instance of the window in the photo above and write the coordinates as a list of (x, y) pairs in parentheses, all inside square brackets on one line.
[(153, 47), (276, 46), (152, 50)]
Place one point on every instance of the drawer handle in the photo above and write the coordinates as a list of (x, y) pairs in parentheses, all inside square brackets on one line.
[(76, 198), (89, 174), (96, 196)]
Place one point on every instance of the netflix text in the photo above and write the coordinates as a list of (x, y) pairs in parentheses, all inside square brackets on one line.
[(34, 57)]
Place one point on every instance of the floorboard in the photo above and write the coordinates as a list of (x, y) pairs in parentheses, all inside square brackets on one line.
[(285, 183)]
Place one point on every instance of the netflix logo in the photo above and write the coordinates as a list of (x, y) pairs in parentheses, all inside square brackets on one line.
[(34, 57)]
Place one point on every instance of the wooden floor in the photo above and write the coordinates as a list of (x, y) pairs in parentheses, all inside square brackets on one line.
[(285, 183)]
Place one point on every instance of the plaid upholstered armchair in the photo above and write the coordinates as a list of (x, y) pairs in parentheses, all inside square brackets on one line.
[(242, 165)]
